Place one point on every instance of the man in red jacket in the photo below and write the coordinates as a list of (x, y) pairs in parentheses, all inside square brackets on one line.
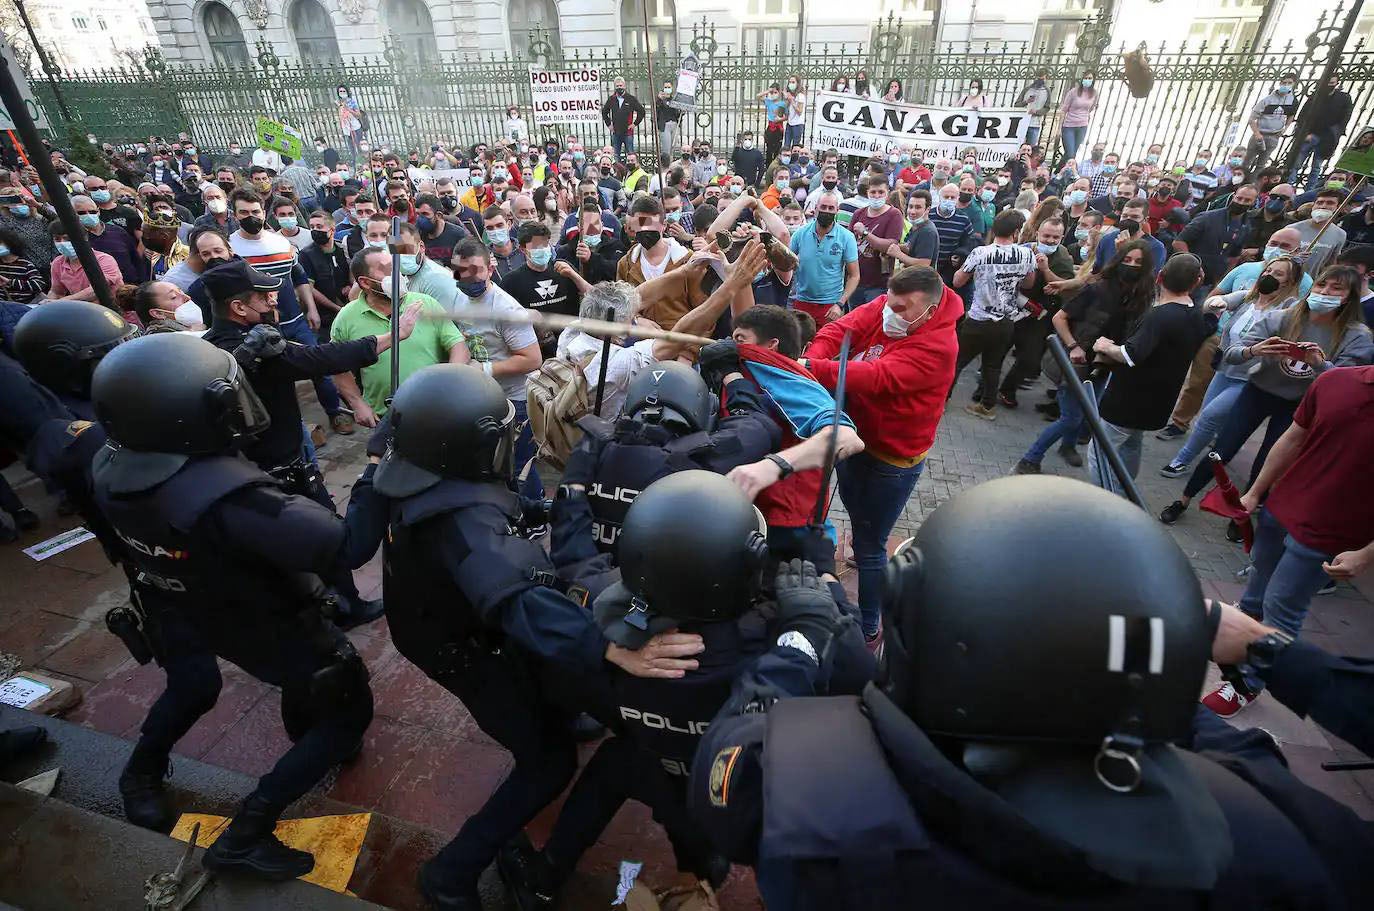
[(902, 356)]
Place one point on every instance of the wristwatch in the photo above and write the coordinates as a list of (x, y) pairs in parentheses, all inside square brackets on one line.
[(1263, 652), (785, 468), (794, 639)]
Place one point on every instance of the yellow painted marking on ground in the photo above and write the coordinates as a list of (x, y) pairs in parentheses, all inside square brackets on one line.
[(334, 840)]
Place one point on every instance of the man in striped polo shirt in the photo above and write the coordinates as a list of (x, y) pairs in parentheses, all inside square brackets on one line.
[(955, 230), (271, 253)]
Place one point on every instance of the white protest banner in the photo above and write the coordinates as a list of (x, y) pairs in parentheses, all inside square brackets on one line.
[(857, 126), (566, 96), (460, 176), (36, 114)]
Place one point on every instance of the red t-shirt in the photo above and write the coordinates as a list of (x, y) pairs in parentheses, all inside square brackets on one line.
[(1159, 210), (914, 175), (887, 225), (1325, 497)]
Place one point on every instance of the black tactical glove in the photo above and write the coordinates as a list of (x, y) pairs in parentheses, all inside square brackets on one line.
[(819, 550), (581, 467), (381, 437), (716, 361), (805, 604), (260, 343)]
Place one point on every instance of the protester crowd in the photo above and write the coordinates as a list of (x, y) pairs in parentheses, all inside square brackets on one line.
[(1199, 300)]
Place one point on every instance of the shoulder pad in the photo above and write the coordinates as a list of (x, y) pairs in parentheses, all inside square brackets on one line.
[(691, 444), (598, 428), (453, 494)]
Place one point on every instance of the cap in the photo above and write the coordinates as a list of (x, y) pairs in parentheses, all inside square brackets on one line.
[(163, 220), (235, 277)]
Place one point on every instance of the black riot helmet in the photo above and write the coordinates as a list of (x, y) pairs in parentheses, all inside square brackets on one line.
[(173, 392), (692, 547), (60, 343), (447, 421), (672, 394), (1098, 635)]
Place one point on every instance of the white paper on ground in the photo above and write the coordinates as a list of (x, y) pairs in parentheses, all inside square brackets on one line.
[(21, 691), (629, 872), (58, 543)]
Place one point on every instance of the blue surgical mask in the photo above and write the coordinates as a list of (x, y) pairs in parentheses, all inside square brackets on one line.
[(785, 159), (1284, 90), (66, 248), (377, 244), (1200, 163), (1323, 303), (1271, 252), (987, 195), (100, 196), (1235, 161), (287, 222), (478, 180), (1081, 234), (592, 240), (1275, 204), (540, 256), (673, 216), (579, 156), (410, 264), (4, 250), (1046, 249), (90, 220), (1078, 197), (946, 207), (1109, 169), (1152, 159), (498, 237), (20, 211), (424, 224), (473, 288)]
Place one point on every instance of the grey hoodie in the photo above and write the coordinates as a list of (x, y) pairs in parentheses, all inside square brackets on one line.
[(1289, 379)]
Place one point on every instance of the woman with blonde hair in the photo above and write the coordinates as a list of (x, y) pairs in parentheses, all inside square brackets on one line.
[(1282, 352), (1049, 207)]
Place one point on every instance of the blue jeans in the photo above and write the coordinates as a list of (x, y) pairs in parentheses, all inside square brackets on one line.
[(792, 135), (1253, 406), (1221, 394), (1127, 443), (1073, 138), (1309, 149), (622, 143), (1285, 577), (1066, 427), (862, 296), (525, 451), (298, 330), (874, 493)]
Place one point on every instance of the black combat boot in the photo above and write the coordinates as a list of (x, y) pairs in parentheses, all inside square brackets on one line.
[(248, 846), (442, 893), (145, 800), (528, 875)]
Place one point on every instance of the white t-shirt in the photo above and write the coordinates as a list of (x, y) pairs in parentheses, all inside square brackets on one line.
[(503, 339), (300, 240), (997, 272), (267, 158), (796, 110), (676, 252), (625, 363)]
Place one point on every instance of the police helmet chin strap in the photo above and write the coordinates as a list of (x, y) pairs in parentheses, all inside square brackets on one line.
[(902, 573)]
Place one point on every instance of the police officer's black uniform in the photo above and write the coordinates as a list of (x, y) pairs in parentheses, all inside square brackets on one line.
[(204, 530), (668, 424), (274, 366), (692, 557), (1022, 752), (468, 600)]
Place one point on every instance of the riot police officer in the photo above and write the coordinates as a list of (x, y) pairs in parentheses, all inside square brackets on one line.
[(471, 602), (668, 424), (204, 530), (61, 342), (245, 317), (1024, 751), (692, 556)]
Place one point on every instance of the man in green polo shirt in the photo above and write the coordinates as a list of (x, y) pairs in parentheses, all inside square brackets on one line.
[(435, 339)]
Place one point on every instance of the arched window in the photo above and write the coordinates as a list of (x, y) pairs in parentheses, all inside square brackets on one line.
[(314, 32), (527, 16), (773, 26), (227, 46), (410, 24), (662, 27)]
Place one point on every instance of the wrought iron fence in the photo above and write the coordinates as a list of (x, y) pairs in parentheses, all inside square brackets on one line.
[(1201, 96)]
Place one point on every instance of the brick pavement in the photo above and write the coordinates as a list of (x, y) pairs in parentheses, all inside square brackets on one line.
[(427, 764)]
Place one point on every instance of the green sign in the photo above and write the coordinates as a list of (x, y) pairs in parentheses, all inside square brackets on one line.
[(279, 137), (1359, 157)]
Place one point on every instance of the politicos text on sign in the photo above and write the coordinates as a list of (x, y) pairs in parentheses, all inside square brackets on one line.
[(565, 96)]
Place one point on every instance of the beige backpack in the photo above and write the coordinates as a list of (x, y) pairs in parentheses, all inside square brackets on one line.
[(557, 394)]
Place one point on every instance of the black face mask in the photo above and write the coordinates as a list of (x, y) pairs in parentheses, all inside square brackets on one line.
[(1267, 284), (449, 202), (269, 317), (319, 237), (401, 205), (825, 219), (966, 197), (648, 238), (830, 184), (227, 186), (251, 225), (211, 263), (1129, 274), (1237, 208)]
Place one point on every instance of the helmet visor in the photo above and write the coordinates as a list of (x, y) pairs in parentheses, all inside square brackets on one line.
[(503, 456), (241, 412)]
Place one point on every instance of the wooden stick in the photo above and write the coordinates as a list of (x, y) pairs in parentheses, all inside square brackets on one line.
[(559, 321)]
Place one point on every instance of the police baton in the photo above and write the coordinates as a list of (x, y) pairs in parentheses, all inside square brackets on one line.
[(605, 359), (394, 245), (1088, 404), (823, 500)]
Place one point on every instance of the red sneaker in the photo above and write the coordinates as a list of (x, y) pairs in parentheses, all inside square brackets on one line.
[(874, 643), (1227, 699)]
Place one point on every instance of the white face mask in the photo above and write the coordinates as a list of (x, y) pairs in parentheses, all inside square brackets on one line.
[(217, 206), (1321, 214), (189, 315), (893, 325)]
